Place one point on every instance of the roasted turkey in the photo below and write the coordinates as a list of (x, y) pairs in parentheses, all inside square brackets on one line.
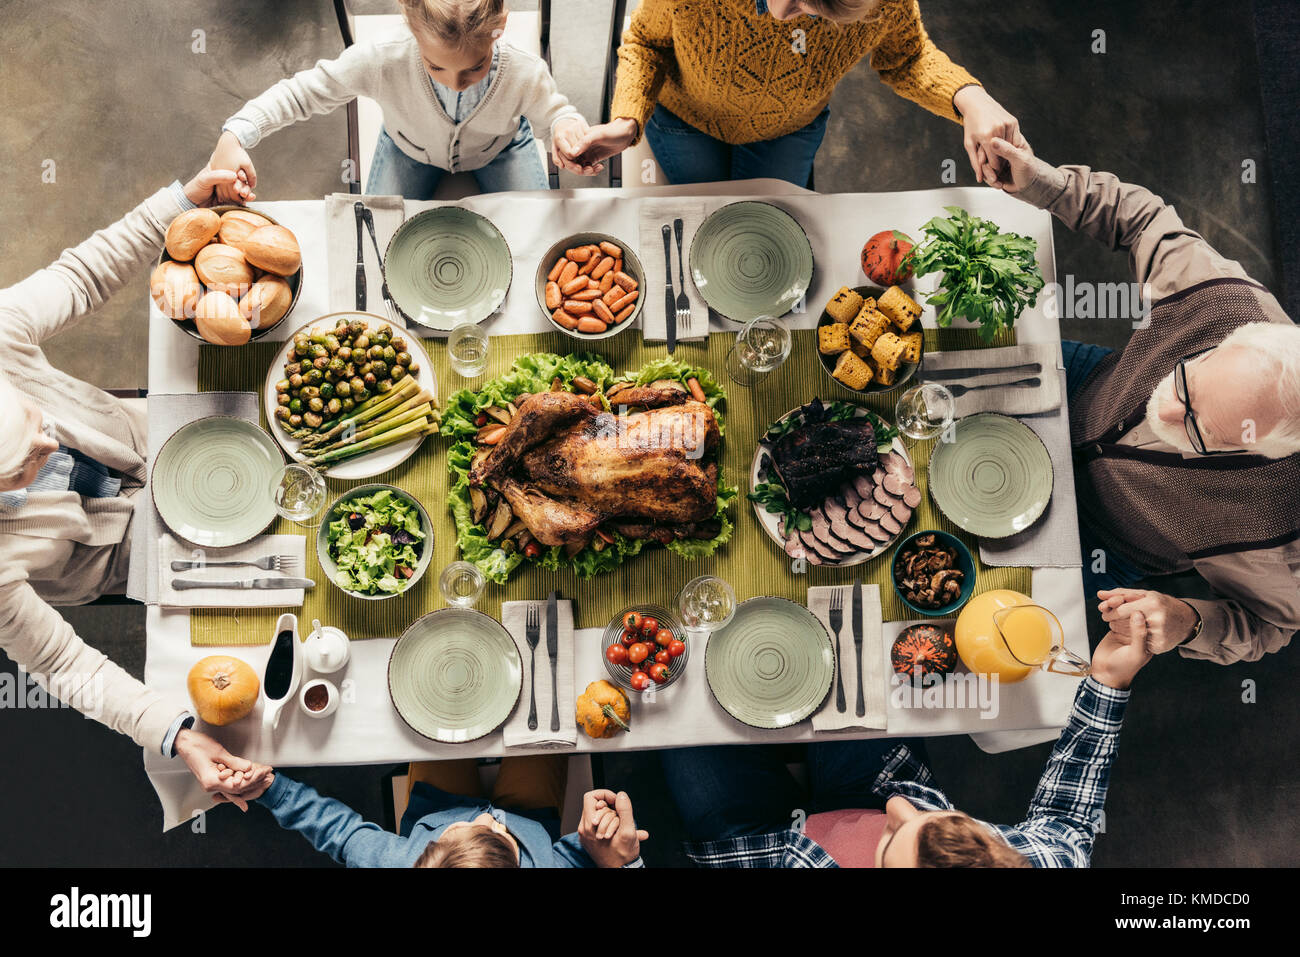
[(647, 469)]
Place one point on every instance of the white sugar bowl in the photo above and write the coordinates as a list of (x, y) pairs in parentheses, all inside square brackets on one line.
[(327, 649)]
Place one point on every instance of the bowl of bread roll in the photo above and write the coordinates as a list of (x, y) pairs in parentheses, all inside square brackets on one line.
[(870, 339), (227, 275)]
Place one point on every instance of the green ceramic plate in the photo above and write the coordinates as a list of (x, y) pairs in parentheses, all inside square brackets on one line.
[(212, 481), (772, 666), (446, 266), (751, 259), (455, 675), (994, 479)]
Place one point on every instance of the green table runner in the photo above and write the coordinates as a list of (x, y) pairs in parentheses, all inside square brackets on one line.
[(751, 562)]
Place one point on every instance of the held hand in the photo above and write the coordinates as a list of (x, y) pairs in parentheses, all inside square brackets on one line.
[(608, 830), (606, 140), (229, 154), (205, 188), (219, 772), (983, 119), (1167, 621), (1120, 657), (1019, 165), (566, 151)]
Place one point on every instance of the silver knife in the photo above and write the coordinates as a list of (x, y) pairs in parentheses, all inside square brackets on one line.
[(857, 642), (670, 315), (361, 261), (553, 652), (272, 584), (935, 375)]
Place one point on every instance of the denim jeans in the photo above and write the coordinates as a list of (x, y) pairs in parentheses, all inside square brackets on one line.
[(518, 166), (686, 155), (1080, 359), (725, 792)]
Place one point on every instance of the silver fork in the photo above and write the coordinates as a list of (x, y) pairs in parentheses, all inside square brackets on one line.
[(683, 300), (390, 307), (837, 622), (271, 563), (533, 632), (959, 390)]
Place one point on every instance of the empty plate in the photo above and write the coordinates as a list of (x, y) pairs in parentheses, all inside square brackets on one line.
[(751, 259), (772, 666), (447, 266), (455, 675), (212, 481), (994, 478)]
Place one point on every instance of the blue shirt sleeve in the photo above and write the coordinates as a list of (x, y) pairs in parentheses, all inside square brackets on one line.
[(331, 826), (569, 853)]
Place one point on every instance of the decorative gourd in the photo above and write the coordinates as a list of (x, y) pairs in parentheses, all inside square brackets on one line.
[(223, 689), (886, 258), (927, 647), (603, 710)]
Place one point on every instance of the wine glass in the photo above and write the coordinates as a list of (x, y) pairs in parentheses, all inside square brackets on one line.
[(467, 350), (761, 346), (461, 584), (707, 603), (299, 494), (925, 411)]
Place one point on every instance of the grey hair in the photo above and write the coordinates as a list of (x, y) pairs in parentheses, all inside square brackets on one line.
[(1277, 346)]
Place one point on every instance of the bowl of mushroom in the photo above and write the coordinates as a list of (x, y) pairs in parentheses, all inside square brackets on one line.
[(934, 573)]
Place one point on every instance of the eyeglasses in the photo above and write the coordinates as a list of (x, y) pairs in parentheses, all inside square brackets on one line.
[(1190, 424)]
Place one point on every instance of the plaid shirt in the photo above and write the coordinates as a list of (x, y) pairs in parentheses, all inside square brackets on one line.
[(1064, 815)]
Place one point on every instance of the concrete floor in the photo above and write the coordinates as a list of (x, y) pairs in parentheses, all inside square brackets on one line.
[(114, 95)]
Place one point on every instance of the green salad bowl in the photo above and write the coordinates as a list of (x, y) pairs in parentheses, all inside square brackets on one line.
[(339, 508)]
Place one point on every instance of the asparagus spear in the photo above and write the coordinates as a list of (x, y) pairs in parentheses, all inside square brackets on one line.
[(393, 437), (364, 412), (379, 426)]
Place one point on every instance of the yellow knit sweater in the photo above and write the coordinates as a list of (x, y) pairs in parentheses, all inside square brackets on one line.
[(741, 77)]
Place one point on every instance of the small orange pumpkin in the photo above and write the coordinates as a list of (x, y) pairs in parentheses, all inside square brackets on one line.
[(603, 710), (223, 689)]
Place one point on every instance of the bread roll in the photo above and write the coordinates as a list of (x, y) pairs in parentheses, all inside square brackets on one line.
[(266, 302), (274, 249), (219, 321), (238, 224), (175, 288), (189, 232), (224, 269)]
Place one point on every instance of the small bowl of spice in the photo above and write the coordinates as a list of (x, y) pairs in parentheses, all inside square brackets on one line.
[(319, 698)]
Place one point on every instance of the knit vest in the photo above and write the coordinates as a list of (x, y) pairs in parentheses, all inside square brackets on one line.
[(1159, 509)]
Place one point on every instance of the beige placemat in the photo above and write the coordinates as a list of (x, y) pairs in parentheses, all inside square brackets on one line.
[(874, 715), (751, 562), (515, 733)]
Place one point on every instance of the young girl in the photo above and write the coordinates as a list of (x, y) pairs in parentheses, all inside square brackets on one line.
[(455, 98)]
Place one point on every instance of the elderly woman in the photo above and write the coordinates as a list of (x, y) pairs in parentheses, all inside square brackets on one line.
[(1186, 443), (72, 461), (736, 89)]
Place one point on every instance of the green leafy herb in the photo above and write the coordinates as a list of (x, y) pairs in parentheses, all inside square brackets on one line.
[(771, 495), (988, 276)]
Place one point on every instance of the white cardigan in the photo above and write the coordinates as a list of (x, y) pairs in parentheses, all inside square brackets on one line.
[(61, 548), (391, 71)]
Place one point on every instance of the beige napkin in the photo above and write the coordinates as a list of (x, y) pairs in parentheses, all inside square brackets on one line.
[(515, 733), (654, 214), (1020, 400), (172, 549), (341, 246), (829, 717)]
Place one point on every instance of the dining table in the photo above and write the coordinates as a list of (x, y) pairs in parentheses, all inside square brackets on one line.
[(367, 730)]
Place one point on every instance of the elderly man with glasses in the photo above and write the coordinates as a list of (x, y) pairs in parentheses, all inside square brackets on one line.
[(1187, 442)]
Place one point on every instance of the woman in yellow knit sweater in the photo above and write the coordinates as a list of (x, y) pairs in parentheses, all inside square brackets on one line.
[(725, 89)]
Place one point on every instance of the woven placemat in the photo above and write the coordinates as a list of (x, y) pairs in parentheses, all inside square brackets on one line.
[(751, 562)]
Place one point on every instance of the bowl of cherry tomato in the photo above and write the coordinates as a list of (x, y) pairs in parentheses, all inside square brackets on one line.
[(644, 646)]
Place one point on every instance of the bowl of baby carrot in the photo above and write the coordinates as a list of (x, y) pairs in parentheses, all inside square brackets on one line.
[(589, 286)]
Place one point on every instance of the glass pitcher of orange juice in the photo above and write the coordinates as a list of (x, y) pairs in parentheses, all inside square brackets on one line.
[(1033, 636)]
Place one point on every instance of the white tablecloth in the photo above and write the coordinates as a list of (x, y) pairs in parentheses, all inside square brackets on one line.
[(366, 729)]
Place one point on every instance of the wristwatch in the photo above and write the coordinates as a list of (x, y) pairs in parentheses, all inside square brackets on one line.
[(1196, 629)]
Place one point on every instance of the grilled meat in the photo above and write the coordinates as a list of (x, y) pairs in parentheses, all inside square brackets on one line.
[(540, 416), (551, 522), (814, 459)]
